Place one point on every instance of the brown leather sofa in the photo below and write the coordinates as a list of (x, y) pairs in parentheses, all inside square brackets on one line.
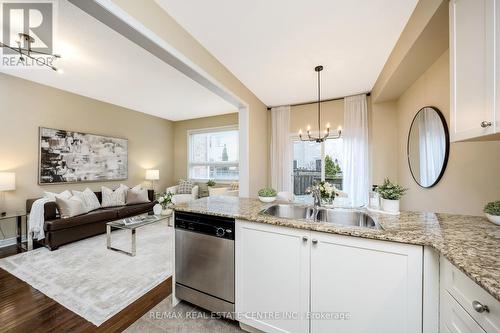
[(59, 231)]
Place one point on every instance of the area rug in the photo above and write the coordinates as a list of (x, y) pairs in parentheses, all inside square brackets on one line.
[(92, 281)]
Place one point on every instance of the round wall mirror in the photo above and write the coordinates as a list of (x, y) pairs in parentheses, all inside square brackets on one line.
[(428, 146)]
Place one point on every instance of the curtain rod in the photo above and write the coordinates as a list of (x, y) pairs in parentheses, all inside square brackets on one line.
[(323, 100)]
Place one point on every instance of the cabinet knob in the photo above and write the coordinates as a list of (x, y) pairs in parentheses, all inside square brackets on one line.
[(485, 124), (315, 241), (305, 239), (480, 307)]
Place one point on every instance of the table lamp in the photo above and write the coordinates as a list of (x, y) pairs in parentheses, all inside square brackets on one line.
[(7, 183), (152, 175)]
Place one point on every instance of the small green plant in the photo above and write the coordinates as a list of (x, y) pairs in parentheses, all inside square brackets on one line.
[(390, 191), (492, 208), (267, 192), (211, 182)]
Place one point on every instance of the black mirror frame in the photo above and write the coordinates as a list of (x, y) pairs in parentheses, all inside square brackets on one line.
[(447, 149)]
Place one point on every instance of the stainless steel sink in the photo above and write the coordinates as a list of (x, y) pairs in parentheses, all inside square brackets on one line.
[(349, 217)]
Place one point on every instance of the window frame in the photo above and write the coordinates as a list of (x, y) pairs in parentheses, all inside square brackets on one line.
[(218, 129)]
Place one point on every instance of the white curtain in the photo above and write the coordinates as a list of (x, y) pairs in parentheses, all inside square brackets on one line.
[(281, 159), (356, 157), (432, 146)]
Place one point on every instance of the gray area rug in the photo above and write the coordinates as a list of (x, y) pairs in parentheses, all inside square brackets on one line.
[(92, 281)]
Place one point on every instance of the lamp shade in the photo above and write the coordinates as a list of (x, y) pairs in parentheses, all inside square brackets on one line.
[(7, 181), (152, 174)]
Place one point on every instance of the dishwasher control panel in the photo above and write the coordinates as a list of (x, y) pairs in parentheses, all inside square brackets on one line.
[(216, 226)]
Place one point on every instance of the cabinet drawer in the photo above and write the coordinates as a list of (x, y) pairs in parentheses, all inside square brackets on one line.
[(465, 292), (454, 319)]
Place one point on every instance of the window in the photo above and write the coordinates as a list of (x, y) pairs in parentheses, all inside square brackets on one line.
[(214, 154), (313, 161)]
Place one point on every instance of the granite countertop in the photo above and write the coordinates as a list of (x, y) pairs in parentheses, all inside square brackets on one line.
[(471, 243)]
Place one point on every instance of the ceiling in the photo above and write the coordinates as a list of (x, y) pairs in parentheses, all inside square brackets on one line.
[(101, 64), (273, 46)]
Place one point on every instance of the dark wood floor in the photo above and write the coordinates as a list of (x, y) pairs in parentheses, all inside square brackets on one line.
[(25, 309)]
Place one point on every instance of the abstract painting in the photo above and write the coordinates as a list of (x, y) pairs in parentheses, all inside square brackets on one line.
[(69, 157)]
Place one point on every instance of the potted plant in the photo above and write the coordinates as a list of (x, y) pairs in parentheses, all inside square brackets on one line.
[(390, 194), (492, 212), (164, 201), (327, 191), (211, 183), (267, 194)]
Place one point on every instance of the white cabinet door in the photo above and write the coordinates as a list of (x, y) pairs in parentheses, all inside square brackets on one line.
[(454, 319), (272, 277), (365, 286), (472, 65)]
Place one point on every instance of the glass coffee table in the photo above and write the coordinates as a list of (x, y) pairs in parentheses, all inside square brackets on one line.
[(132, 224)]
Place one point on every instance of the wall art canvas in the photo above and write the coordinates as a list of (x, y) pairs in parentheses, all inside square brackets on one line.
[(69, 157)]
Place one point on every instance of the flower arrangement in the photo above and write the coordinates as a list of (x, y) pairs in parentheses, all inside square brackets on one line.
[(267, 192), (327, 191), (391, 191), (211, 182), (164, 200)]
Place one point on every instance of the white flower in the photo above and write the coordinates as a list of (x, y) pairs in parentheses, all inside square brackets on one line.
[(161, 199)]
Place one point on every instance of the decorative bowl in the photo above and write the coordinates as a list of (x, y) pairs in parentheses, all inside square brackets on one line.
[(267, 199), (493, 218)]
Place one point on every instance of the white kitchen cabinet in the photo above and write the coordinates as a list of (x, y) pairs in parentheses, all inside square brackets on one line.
[(374, 286), (473, 59), (345, 284), (272, 277), (460, 299)]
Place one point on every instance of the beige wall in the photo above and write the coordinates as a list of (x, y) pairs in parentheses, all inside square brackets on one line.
[(471, 178), (153, 17), (180, 134), (27, 105)]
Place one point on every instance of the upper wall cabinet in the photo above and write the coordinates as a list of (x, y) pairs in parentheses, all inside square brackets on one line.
[(473, 54)]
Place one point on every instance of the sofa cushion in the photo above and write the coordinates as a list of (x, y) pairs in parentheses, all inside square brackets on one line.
[(185, 187), (71, 207), (100, 215), (135, 209)]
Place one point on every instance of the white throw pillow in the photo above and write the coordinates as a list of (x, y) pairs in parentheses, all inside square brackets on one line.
[(89, 199), (114, 198), (71, 207), (52, 196)]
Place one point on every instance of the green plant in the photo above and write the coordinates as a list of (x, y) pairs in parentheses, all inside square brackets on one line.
[(267, 192), (390, 191), (492, 208), (211, 182), (332, 168)]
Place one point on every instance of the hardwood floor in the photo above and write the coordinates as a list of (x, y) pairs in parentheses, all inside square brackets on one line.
[(25, 309)]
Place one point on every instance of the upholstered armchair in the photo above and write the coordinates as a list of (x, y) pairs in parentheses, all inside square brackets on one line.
[(183, 198)]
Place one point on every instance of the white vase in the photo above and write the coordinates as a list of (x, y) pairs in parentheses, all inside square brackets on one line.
[(391, 206), (267, 199), (493, 218), (157, 209)]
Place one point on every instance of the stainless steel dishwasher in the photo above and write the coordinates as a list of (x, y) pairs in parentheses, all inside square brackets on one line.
[(204, 261)]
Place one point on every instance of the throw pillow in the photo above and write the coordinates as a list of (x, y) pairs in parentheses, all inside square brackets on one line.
[(71, 207), (137, 195), (114, 198), (52, 196), (89, 199), (234, 186), (185, 187)]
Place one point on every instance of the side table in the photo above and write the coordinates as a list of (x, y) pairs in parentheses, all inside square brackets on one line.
[(19, 216)]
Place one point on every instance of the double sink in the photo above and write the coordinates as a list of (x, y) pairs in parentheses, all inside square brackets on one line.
[(342, 216)]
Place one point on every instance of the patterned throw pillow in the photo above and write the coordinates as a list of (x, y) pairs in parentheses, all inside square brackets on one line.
[(185, 187), (89, 199), (234, 186), (114, 198)]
